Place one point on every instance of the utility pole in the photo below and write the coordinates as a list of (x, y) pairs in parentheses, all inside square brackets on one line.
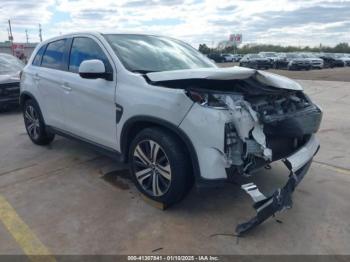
[(10, 32), (27, 36), (11, 36), (40, 34)]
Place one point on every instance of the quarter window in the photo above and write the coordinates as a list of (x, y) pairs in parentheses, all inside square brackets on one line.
[(53, 57), (84, 48)]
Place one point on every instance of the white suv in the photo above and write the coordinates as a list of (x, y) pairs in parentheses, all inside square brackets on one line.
[(170, 112)]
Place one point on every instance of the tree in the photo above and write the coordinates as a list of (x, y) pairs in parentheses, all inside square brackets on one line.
[(204, 49), (342, 48)]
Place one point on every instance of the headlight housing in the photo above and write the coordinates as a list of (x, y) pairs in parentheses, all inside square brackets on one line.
[(205, 98)]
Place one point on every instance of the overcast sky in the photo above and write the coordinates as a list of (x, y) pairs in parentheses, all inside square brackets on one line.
[(286, 22)]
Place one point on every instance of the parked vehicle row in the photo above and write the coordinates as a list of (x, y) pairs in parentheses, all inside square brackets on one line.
[(289, 61), (295, 61)]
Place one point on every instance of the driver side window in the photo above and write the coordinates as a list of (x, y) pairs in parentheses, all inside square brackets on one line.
[(84, 48)]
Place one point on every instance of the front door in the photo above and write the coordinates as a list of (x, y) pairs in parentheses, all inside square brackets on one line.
[(49, 76), (89, 103)]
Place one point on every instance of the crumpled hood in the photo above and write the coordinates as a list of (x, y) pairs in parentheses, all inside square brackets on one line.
[(228, 73)]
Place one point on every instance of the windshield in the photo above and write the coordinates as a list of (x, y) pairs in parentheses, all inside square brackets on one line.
[(144, 53), (9, 64)]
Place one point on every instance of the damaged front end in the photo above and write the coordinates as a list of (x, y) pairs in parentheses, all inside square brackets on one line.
[(262, 129), (265, 118)]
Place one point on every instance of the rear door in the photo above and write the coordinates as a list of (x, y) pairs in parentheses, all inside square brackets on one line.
[(89, 105)]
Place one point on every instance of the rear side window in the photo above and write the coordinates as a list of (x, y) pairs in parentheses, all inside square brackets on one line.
[(84, 48), (53, 57), (38, 56)]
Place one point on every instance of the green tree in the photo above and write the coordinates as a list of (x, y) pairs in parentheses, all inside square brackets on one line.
[(204, 49)]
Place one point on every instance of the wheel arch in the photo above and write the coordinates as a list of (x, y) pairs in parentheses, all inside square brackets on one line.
[(24, 96), (135, 124)]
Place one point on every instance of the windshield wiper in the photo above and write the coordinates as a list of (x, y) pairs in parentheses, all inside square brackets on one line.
[(144, 71)]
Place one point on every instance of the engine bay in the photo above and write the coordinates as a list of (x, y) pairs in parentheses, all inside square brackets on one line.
[(263, 127)]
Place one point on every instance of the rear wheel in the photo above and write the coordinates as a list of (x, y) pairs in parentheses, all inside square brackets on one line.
[(35, 124), (160, 166)]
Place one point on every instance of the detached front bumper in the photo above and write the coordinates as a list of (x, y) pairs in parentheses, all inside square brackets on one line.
[(298, 165)]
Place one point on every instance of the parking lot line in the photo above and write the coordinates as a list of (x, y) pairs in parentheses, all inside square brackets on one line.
[(26, 239), (335, 168)]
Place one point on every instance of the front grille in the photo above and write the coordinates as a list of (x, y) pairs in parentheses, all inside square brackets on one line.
[(9, 90)]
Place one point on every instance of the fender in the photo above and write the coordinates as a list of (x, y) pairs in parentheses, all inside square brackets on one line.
[(167, 125), (26, 93)]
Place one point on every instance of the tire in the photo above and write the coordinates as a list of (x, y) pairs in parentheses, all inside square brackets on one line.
[(35, 125), (167, 176)]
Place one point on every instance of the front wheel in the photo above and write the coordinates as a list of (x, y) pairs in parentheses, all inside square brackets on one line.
[(160, 166), (35, 124)]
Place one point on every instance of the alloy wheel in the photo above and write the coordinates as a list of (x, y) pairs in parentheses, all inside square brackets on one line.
[(152, 168), (32, 122)]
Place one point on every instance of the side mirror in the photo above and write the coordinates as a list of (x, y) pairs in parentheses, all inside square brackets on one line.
[(93, 69)]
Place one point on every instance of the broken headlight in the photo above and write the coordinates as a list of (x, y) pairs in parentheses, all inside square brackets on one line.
[(207, 98)]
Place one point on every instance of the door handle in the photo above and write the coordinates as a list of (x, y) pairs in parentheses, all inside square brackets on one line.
[(66, 86)]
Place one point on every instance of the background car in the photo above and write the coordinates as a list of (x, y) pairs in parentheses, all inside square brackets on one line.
[(228, 57), (216, 57), (315, 61), (10, 68), (345, 58), (237, 57), (255, 61), (331, 60), (292, 61), (272, 56)]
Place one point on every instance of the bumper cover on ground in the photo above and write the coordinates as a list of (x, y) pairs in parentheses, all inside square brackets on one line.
[(298, 164)]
